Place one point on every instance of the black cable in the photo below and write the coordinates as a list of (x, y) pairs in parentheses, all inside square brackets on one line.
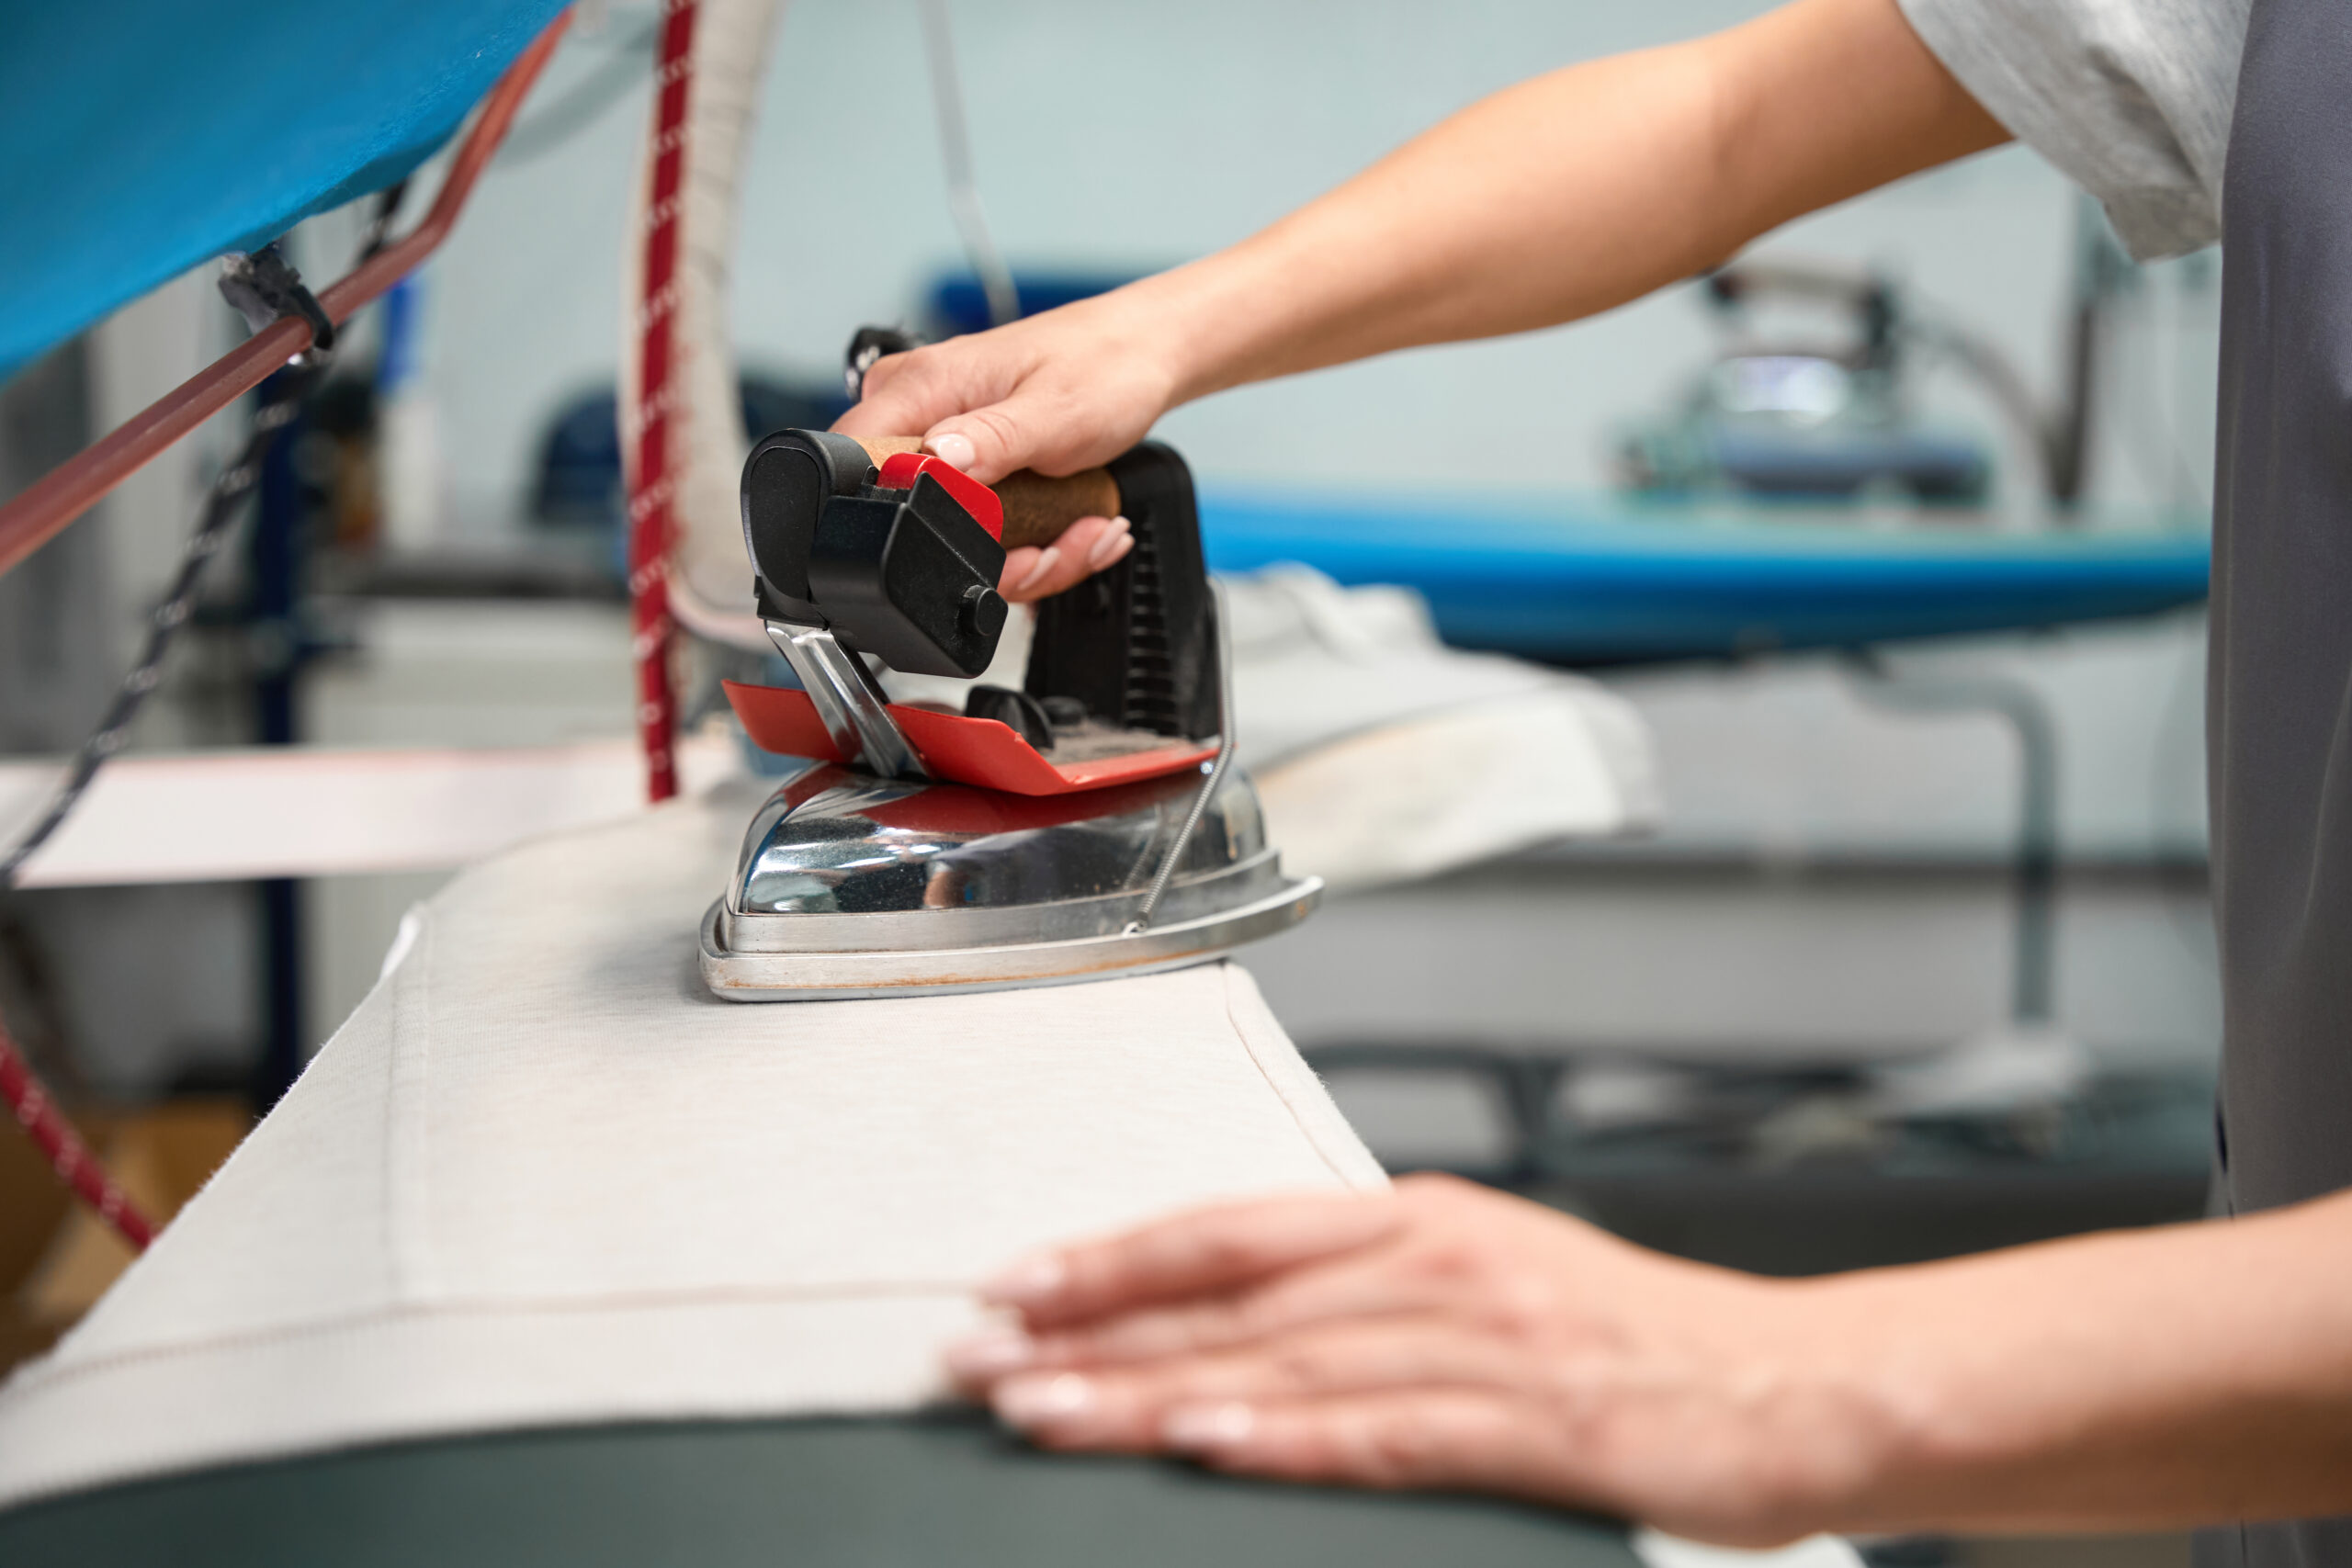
[(378, 232), (971, 221), (288, 389)]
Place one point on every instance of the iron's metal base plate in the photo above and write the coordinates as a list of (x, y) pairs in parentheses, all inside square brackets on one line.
[(941, 972)]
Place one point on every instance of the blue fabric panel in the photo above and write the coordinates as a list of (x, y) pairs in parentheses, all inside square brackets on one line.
[(138, 138), (1601, 586)]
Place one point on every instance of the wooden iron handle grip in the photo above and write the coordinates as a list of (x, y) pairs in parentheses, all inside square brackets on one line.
[(1037, 508)]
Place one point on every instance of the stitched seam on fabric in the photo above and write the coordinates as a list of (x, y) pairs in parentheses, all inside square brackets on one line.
[(396, 1003), (407, 1192), (33, 1381), (1249, 1046), (420, 1228)]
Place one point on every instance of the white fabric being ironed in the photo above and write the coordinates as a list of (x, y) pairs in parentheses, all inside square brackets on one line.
[(1380, 754), (541, 1178)]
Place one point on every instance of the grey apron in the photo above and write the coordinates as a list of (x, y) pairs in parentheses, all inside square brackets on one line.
[(2279, 713)]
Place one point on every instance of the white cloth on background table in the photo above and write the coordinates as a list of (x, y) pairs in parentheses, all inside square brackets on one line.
[(1380, 754), (541, 1178)]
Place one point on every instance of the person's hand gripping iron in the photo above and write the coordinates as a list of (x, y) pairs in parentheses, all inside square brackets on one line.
[(820, 511), (1047, 550)]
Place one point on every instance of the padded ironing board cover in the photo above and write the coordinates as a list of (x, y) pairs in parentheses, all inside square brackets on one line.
[(144, 136), (540, 1177)]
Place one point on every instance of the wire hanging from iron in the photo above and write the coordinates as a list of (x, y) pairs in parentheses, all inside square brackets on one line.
[(955, 153)]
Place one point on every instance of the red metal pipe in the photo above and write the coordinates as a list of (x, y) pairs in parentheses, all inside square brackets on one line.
[(37, 514)]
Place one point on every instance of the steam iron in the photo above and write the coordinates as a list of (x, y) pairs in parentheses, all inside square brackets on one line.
[(1086, 826)]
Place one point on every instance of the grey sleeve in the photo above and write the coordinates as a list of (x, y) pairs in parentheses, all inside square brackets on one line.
[(2130, 98)]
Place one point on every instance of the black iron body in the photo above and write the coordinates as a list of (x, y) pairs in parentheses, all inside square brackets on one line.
[(909, 577)]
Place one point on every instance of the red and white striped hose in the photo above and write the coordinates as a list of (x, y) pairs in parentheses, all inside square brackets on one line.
[(697, 146), (68, 1155), (652, 503)]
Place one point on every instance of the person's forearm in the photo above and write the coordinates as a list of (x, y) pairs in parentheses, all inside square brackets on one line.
[(1574, 193), (2144, 1379), (1550, 201)]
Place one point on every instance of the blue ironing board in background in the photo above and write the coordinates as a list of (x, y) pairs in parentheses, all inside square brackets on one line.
[(1599, 582), (138, 138)]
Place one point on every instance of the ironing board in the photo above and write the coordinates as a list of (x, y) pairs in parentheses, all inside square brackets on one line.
[(145, 136), (820, 1218), (1592, 580), (872, 1494)]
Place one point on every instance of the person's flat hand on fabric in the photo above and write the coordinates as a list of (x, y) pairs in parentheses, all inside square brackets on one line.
[(1445, 1336)]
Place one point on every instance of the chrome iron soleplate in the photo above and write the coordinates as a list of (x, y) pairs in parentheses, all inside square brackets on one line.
[(941, 972)]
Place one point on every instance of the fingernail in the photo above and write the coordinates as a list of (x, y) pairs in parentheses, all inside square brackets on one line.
[(1207, 1425), (1027, 1402), (1117, 553), (1047, 559), (1028, 1280), (1113, 542), (989, 1356), (953, 449)]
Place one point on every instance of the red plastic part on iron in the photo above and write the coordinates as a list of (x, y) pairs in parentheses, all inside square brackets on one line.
[(899, 470), (962, 750)]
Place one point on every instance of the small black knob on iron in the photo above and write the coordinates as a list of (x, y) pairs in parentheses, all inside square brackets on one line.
[(984, 611)]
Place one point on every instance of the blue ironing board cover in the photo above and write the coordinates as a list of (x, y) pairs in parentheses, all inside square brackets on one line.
[(1597, 582), (141, 137)]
